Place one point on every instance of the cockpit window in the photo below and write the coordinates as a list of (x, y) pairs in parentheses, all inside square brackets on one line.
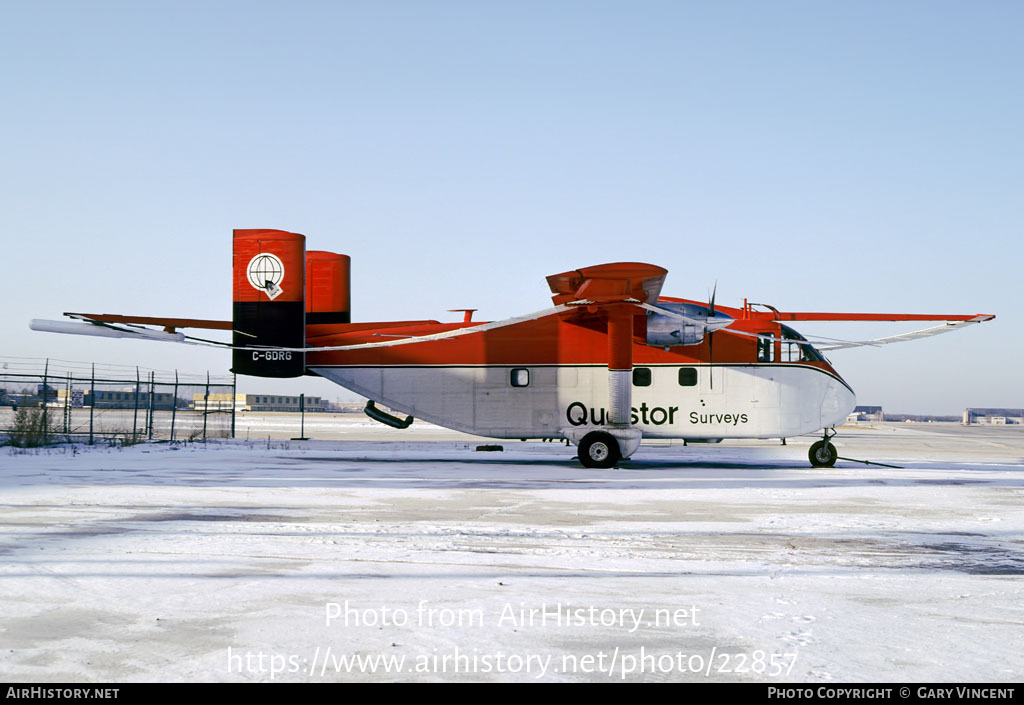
[(795, 351)]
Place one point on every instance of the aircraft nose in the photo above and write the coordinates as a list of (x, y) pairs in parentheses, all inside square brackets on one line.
[(837, 403)]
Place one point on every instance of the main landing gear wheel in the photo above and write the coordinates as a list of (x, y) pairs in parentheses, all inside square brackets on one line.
[(599, 450), (823, 454)]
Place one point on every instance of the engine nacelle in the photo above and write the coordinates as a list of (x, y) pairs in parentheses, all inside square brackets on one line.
[(668, 331), (665, 332)]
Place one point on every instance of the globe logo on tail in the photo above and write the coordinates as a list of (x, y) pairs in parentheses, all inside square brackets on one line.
[(266, 272)]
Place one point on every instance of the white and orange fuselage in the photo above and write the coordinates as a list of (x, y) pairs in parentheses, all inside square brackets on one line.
[(611, 363), (549, 378)]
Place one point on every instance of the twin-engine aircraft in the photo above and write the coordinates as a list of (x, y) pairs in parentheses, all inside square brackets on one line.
[(611, 363)]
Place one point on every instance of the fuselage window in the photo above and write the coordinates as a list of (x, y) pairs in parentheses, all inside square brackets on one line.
[(641, 376), (687, 376), (765, 348), (520, 377)]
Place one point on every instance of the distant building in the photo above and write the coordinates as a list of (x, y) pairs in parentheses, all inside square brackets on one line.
[(997, 417), (921, 418), (256, 402), (125, 398), (866, 413)]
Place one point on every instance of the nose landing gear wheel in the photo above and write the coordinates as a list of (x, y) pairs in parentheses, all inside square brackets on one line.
[(599, 450), (823, 454)]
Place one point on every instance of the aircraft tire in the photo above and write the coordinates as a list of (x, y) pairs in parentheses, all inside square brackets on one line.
[(599, 450), (823, 454)]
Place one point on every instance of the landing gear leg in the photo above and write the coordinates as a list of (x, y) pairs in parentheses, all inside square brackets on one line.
[(823, 454)]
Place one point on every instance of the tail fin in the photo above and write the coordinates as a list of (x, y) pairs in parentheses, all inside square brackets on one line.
[(269, 302), (327, 288)]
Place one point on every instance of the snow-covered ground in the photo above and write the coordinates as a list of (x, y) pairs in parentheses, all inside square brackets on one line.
[(429, 560)]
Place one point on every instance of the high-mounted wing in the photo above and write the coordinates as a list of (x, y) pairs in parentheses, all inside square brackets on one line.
[(885, 317), (113, 325), (946, 327), (610, 297), (950, 322), (168, 324)]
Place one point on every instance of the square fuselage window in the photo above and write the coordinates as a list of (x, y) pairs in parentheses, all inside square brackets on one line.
[(641, 376), (520, 377), (687, 376)]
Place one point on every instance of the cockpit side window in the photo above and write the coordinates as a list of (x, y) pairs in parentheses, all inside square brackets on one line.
[(790, 351), (765, 347)]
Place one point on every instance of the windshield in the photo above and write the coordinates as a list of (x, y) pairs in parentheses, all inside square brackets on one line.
[(797, 351)]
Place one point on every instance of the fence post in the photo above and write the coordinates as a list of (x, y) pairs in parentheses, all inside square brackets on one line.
[(206, 404), (46, 391), (92, 402), (151, 374), (67, 405), (135, 416), (174, 404)]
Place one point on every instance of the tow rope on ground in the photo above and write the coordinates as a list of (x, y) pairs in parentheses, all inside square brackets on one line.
[(870, 462)]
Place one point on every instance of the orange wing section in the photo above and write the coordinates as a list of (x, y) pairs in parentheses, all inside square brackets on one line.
[(797, 316), (773, 314), (168, 324)]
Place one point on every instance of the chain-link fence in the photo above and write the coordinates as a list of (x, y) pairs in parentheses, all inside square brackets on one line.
[(46, 400)]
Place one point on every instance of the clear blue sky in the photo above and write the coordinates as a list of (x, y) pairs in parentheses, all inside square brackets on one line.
[(813, 155)]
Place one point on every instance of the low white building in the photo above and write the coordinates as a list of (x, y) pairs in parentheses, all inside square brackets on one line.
[(866, 413), (258, 402)]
